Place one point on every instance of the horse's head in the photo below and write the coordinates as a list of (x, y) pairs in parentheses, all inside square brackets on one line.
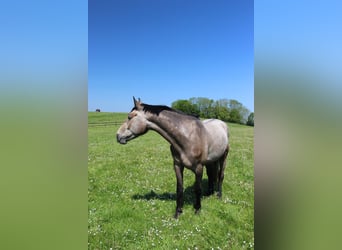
[(135, 125)]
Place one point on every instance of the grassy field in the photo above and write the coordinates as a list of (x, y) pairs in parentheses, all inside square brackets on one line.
[(131, 194)]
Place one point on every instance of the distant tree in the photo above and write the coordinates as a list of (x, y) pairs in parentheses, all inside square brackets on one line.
[(204, 105), (234, 104), (223, 103), (238, 113), (185, 106), (244, 114), (235, 116), (221, 110), (250, 120)]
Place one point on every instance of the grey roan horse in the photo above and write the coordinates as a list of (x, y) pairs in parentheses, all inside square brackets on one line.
[(194, 144)]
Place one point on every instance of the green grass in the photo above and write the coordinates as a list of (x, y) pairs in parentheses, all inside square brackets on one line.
[(131, 194)]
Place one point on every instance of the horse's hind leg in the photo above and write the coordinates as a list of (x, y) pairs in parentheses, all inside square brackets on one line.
[(198, 188), (212, 177), (221, 172)]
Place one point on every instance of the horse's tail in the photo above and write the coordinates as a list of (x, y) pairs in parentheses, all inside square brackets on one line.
[(222, 166)]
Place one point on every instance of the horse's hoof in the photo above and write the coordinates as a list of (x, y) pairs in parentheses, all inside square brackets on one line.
[(178, 213), (198, 211), (177, 216), (210, 191)]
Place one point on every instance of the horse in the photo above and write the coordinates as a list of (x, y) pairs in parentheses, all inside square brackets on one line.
[(194, 144)]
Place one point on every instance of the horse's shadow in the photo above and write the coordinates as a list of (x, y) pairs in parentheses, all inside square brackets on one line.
[(188, 194)]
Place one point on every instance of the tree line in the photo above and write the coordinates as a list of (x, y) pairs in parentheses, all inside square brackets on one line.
[(228, 110)]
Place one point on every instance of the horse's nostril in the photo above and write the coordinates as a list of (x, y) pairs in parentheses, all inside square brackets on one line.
[(120, 139)]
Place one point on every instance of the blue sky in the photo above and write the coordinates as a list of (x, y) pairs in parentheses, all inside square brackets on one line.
[(43, 44), (162, 51)]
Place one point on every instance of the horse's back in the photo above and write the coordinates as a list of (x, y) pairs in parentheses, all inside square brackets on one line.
[(217, 138)]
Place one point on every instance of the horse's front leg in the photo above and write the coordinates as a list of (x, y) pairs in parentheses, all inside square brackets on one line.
[(198, 187), (180, 200), (179, 176)]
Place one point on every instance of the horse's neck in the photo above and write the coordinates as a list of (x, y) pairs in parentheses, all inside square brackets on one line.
[(166, 127)]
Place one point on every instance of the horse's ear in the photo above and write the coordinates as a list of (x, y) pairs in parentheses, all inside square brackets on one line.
[(136, 103)]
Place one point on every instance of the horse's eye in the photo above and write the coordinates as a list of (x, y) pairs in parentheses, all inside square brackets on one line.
[(131, 115)]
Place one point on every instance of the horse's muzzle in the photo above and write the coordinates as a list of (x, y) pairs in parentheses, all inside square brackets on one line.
[(120, 139)]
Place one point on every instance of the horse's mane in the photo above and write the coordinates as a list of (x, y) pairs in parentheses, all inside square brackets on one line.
[(156, 109)]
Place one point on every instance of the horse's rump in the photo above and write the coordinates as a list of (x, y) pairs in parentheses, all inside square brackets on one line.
[(217, 138)]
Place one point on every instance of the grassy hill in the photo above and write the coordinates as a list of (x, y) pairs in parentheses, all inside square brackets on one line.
[(131, 193)]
